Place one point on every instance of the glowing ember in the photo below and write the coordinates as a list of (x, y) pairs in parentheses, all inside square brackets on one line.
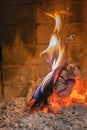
[(78, 96)]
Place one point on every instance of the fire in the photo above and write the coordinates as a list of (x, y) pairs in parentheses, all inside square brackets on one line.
[(56, 49), (56, 46), (78, 96), (49, 96)]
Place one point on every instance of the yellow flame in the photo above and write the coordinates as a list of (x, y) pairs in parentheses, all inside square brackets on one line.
[(56, 13), (55, 50), (52, 50), (56, 16)]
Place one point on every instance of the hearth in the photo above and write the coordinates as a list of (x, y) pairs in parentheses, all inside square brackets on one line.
[(43, 65), (14, 114)]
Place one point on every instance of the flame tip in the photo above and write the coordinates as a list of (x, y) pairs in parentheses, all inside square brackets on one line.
[(56, 13)]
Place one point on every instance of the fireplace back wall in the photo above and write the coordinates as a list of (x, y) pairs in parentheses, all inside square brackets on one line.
[(25, 31)]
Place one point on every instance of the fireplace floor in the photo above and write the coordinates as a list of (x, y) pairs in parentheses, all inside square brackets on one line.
[(15, 115)]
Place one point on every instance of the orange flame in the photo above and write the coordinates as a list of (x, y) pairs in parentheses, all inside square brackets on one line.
[(78, 96), (56, 58), (55, 52), (56, 49), (79, 91)]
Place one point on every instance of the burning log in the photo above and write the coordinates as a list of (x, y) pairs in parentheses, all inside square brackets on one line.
[(78, 95), (63, 87)]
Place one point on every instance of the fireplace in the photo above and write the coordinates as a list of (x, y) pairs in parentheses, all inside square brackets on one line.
[(25, 31), (24, 27)]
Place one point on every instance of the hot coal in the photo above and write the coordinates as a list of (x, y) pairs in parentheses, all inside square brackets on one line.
[(15, 115)]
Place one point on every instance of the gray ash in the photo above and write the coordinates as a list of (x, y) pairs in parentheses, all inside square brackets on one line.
[(15, 115)]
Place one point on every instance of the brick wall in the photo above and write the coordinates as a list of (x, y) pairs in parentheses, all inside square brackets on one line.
[(25, 31)]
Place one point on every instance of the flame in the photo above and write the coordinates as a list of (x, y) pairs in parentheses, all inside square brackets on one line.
[(78, 96), (56, 49), (56, 55), (56, 58), (57, 18)]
